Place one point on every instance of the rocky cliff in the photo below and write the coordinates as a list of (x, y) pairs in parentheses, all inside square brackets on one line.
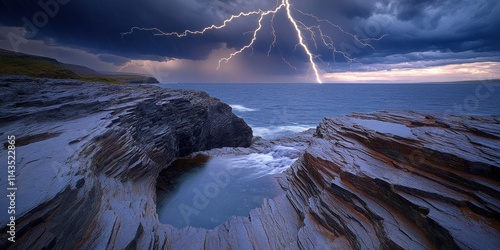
[(403, 181), (89, 156)]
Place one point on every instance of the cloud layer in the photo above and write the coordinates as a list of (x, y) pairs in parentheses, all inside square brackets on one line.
[(418, 33)]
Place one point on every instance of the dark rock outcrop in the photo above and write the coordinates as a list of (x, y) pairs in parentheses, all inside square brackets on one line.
[(88, 156)]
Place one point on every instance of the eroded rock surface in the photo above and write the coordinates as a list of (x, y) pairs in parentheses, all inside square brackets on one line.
[(403, 180), (89, 155), (389, 180)]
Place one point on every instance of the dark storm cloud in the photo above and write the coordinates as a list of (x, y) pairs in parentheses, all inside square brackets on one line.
[(454, 26), (97, 25), (116, 60), (418, 25), (338, 9), (411, 9), (412, 27)]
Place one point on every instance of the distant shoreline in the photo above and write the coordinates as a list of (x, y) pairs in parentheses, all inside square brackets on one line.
[(20, 64), (488, 81)]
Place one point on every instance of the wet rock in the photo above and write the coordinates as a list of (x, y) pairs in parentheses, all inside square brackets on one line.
[(91, 153), (403, 180), (388, 180), (88, 155)]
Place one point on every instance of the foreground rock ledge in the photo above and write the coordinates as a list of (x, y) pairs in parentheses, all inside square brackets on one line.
[(388, 180), (89, 157), (403, 180)]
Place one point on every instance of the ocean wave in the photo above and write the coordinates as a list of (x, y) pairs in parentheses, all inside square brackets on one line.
[(274, 161), (241, 108), (276, 131)]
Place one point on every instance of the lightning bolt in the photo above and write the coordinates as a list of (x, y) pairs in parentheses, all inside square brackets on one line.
[(301, 40), (300, 29), (130, 63)]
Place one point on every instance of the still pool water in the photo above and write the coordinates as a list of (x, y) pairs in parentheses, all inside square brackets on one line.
[(208, 194)]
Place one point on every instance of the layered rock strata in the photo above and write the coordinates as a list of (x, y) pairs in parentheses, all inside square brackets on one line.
[(89, 155), (403, 180), (388, 180)]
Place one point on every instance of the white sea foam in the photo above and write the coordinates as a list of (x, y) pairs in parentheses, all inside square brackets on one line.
[(274, 161), (241, 108), (275, 131)]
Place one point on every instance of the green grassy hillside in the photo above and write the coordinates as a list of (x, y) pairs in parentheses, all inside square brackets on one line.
[(34, 68), (13, 63)]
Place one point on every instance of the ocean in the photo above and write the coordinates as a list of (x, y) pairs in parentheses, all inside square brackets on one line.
[(274, 110)]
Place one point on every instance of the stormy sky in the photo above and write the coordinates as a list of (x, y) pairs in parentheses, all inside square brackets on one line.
[(404, 40)]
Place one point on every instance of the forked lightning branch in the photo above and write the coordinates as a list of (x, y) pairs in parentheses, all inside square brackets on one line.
[(314, 33)]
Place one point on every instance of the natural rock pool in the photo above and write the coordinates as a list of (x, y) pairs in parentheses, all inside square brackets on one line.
[(204, 192)]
